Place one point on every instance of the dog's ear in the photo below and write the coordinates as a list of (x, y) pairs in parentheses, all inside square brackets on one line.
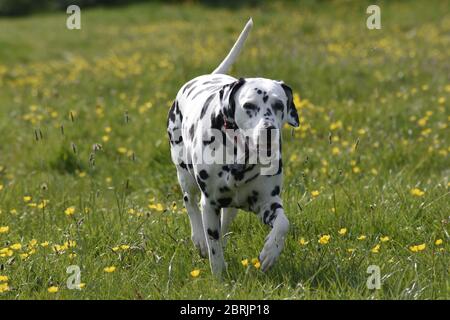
[(292, 115), (229, 97)]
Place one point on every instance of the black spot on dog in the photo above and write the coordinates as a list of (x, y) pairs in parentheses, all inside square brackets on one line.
[(180, 140), (259, 91), (201, 184), (224, 189), (217, 121), (206, 105), (214, 234), (188, 85), (208, 142), (275, 191), (186, 198), (265, 98), (191, 131), (268, 113), (232, 103), (224, 202), (203, 174), (183, 165), (252, 199), (278, 106), (266, 215), (172, 113), (220, 174), (274, 206), (213, 251)]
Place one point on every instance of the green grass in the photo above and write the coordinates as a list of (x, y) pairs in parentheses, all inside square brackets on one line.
[(387, 91)]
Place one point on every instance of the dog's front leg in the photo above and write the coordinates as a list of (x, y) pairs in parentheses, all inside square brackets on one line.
[(228, 214), (211, 225), (273, 215)]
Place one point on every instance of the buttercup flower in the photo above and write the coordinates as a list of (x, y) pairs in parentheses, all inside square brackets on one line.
[(53, 289), (375, 249), (256, 263), (417, 192), (195, 273), (418, 248), (109, 269), (4, 287), (16, 246), (303, 242), (315, 193), (324, 239), (70, 211)]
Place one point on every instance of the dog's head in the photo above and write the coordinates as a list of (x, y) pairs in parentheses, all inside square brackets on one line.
[(261, 105)]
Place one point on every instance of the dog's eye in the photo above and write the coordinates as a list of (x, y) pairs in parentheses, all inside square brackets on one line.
[(278, 106), (249, 106)]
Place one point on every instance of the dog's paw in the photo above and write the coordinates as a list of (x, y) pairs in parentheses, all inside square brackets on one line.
[(271, 251), (200, 243)]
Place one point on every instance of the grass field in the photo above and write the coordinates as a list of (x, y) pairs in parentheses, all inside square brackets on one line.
[(366, 174)]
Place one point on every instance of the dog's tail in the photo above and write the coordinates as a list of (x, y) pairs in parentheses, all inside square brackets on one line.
[(234, 52)]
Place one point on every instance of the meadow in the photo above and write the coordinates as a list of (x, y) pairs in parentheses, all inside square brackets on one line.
[(86, 177)]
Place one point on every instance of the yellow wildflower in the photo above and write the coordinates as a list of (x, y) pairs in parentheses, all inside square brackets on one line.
[(417, 192), (324, 239), (16, 246), (70, 211), (438, 242), (256, 263), (109, 269), (245, 262), (4, 229), (4, 287), (315, 193), (303, 242), (53, 289), (417, 248), (195, 273), (375, 249), (122, 150), (342, 231), (158, 207)]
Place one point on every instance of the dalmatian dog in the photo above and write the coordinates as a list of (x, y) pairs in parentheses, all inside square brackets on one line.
[(214, 191)]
